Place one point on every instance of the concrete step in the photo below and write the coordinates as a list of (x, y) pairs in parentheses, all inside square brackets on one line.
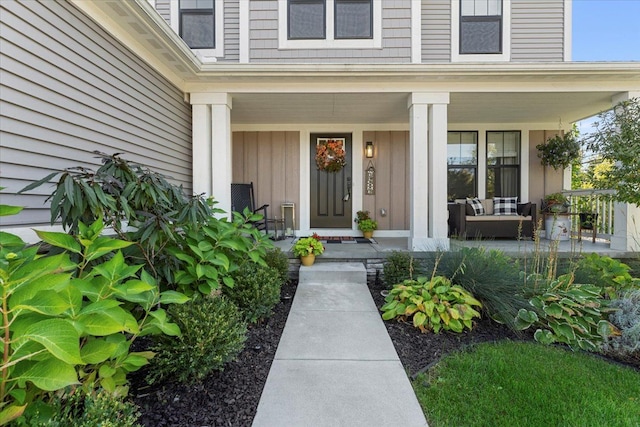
[(333, 272)]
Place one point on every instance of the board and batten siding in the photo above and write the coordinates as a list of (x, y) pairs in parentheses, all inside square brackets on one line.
[(396, 38), (67, 88), (436, 30), (537, 30), (392, 165), (271, 160)]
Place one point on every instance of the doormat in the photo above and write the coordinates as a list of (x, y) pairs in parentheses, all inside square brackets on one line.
[(345, 239)]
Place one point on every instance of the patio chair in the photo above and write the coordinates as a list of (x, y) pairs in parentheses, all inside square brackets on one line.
[(588, 221), (242, 197)]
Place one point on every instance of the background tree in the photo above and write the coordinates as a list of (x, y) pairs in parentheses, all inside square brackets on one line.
[(617, 141)]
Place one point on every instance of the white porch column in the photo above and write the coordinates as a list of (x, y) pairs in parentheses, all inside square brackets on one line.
[(626, 217), (428, 189), (212, 146)]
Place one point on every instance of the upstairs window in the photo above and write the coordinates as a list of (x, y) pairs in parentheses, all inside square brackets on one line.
[(197, 23), (480, 26), (349, 19)]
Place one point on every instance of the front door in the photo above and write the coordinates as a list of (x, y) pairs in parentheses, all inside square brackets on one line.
[(331, 191)]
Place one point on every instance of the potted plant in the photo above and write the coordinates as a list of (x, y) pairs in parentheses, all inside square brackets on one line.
[(556, 203), (307, 248), (366, 224), (560, 151)]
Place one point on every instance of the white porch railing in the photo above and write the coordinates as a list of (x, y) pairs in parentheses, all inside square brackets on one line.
[(593, 201)]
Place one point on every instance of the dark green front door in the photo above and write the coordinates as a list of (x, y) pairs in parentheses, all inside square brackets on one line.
[(331, 191)]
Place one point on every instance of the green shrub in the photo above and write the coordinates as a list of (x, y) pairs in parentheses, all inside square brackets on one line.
[(80, 409), (626, 317), (568, 313), (492, 277), (278, 260), (400, 266), (213, 333), (256, 291), (433, 304)]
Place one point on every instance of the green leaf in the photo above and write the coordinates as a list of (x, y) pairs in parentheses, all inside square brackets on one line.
[(97, 351), (45, 302), (10, 413), (50, 283), (106, 371), (60, 240), (99, 306), (419, 319), (8, 240), (173, 297), (115, 269), (105, 245), (38, 183), (50, 375), (543, 336), (554, 309), (134, 286), (58, 336), (6, 210), (107, 322)]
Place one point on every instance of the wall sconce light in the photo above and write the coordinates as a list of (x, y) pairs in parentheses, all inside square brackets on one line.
[(368, 150)]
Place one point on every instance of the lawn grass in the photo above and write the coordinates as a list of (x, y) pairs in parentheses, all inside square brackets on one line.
[(528, 384)]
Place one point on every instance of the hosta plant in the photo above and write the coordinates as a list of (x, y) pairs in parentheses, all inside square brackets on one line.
[(433, 304), (70, 318), (568, 313)]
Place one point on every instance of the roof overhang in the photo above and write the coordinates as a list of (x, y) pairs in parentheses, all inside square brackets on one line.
[(369, 93)]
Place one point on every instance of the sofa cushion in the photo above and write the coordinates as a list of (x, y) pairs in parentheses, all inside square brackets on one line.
[(469, 210), (524, 209), (477, 206), (488, 206), (505, 206)]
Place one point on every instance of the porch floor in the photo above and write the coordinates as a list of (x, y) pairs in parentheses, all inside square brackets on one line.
[(515, 248)]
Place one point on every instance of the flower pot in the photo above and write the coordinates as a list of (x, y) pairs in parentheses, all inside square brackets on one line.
[(557, 227), (367, 234), (308, 260)]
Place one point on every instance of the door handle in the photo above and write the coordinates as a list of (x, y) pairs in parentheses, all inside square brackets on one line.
[(348, 195)]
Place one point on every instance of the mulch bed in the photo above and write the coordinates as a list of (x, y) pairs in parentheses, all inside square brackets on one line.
[(230, 398)]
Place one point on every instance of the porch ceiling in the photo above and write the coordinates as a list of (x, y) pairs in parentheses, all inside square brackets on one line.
[(365, 108)]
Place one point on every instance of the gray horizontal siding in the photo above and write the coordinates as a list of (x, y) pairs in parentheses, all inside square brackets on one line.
[(396, 38), (68, 88), (232, 30), (164, 9), (436, 30), (537, 30)]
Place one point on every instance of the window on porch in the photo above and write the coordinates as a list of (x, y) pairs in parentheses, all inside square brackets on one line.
[(462, 164), (197, 23), (352, 19), (503, 164), (480, 26)]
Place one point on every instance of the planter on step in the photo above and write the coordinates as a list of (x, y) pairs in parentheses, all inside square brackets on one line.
[(307, 260), (367, 234)]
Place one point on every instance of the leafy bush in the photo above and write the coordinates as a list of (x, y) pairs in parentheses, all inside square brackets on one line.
[(610, 274), (278, 260), (256, 291), (209, 253), (434, 305), (78, 408), (568, 313), (213, 333), (67, 322), (626, 317)]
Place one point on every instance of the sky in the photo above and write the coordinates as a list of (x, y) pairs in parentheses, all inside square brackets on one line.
[(606, 30)]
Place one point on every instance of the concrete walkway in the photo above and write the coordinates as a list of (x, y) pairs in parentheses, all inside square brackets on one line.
[(335, 364)]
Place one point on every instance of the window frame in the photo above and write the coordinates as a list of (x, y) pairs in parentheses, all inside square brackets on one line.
[(517, 167), (335, 19), (330, 41), (218, 35), (456, 39), (324, 19), (474, 166)]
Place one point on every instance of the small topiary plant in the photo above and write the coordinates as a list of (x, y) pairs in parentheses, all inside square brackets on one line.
[(433, 304), (278, 260), (213, 333), (256, 291)]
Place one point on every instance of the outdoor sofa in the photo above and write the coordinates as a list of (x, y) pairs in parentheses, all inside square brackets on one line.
[(514, 221)]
